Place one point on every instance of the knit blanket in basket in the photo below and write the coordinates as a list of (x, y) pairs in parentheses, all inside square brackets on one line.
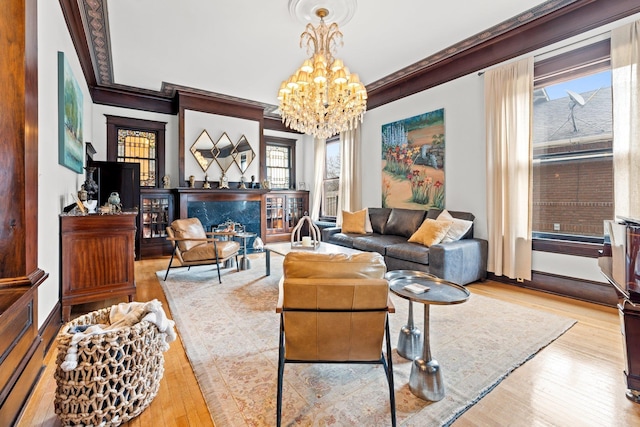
[(122, 316)]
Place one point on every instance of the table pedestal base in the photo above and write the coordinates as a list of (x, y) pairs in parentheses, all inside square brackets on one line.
[(426, 380), (245, 263), (410, 338)]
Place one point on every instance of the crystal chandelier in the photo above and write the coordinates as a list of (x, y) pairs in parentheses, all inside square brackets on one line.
[(322, 98)]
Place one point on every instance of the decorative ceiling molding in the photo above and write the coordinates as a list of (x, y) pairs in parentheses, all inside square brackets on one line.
[(483, 37), (549, 22), (95, 20)]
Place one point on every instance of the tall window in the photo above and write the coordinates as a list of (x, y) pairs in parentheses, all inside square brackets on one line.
[(138, 141), (280, 162), (572, 148), (331, 180)]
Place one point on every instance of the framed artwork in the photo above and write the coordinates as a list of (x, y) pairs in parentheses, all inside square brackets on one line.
[(70, 145), (413, 153)]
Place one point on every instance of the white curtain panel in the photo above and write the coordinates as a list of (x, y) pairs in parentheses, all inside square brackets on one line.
[(625, 62), (349, 187), (320, 147), (508, 94)]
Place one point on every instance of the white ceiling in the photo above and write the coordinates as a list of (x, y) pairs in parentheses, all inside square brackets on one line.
[(245, 48)]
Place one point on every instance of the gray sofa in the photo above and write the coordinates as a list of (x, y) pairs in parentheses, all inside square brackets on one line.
[(462, 261)]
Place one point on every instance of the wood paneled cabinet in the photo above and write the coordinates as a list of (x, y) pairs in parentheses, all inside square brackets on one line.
[(283, 211), (97, 254), (157, 212)]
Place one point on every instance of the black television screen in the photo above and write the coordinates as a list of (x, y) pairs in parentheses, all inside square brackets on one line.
[(123, 178)]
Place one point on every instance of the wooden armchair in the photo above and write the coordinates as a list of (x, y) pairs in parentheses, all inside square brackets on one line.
[(192, 245), (334, 309)]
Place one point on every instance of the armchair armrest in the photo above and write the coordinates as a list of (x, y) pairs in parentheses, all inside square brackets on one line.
[(330, 231), (280, 295), (463, 261)]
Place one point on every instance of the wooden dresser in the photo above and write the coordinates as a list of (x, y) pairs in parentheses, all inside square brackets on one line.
[(97, 254)]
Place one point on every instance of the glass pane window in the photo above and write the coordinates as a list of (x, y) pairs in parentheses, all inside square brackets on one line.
[(278, 161), (331, 180), (572, 158), (135, 146)]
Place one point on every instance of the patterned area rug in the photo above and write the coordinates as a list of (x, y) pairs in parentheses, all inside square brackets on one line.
[(230, 333)]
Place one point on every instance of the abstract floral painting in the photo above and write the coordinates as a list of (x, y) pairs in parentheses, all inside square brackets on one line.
[(413, 153), (70, 143)]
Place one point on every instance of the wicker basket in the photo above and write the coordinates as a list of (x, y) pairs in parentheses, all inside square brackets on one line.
[(118, 372)]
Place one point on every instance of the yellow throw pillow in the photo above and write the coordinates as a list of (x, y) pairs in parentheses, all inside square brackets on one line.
[(354, 222), (430, 232)]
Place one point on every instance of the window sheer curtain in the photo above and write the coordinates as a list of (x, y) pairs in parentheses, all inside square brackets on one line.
[(625, 64), (350, 184), (508, 106), (320, 147)]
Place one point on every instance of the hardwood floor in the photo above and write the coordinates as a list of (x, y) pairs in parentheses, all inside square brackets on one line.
[(575, 381)]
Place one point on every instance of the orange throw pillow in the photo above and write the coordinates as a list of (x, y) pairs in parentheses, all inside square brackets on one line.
[(431, 232), (354, 222)]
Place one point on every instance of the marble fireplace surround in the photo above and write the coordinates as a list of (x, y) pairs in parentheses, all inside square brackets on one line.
[(215, 206)]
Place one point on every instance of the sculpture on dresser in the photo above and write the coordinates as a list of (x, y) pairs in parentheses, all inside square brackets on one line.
[(89, 184)]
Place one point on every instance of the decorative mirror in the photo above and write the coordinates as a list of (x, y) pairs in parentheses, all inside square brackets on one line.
[(202, 150), (224, 152), (243, 154)]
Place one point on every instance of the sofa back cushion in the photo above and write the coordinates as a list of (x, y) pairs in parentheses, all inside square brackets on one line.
[(434, 213), (404, 222), (379, 217)]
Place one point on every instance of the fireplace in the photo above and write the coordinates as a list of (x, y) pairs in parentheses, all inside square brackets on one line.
[(213, 207)]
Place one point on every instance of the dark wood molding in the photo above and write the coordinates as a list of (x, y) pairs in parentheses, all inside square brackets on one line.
[(566, 22), (73, 18), (544, 24), (275, 123), (132, 98), (571, 287), (219, 106), (588, 59), (49, 329)]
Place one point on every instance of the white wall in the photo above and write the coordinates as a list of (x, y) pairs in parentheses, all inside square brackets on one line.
[(56, 183), (465, 174)]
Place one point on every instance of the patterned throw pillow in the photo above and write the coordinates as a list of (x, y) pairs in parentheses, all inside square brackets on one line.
[(459, 227)]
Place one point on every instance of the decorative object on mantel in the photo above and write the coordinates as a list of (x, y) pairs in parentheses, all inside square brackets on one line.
[(224, 181), (192, 181), (206, 184), (322, 98), (312, 241), (266, 184), (242, 185), (166, 181)]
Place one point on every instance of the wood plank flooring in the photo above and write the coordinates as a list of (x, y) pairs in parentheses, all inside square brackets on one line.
[(575, 381)]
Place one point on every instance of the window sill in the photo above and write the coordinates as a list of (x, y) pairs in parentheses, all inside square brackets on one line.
[(583, 249)]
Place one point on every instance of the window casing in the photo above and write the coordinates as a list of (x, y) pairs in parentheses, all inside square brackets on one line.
[(280, 155), (138, 141), (331, 180), (572, 172)]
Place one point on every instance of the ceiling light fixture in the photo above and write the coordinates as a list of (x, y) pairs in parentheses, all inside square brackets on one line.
[(322, 98)]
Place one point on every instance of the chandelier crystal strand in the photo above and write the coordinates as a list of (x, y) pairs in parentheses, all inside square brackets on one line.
[(322, 98)]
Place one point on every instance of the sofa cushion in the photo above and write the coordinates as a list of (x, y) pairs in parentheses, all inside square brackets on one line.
[(355, 222), (379, 217), (376, 242), (459, 227), (404, 222), (434, 213), (413, 252), (343, 239), (431, 232)]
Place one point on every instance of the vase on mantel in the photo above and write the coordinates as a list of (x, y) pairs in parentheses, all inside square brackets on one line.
[(89, 184)]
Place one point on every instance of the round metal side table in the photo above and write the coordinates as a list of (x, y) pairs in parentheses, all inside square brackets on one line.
[(425, 380)]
